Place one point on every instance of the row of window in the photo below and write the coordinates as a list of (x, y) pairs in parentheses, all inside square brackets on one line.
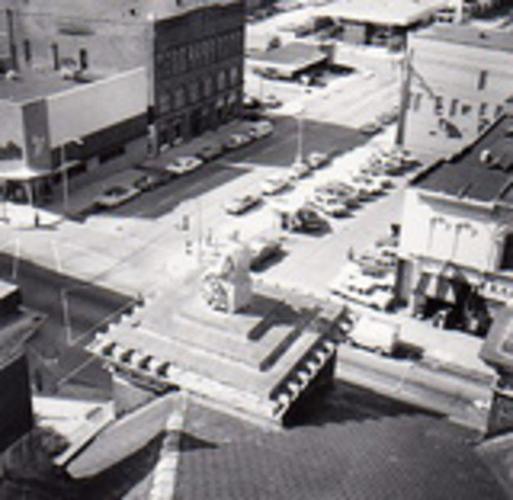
[(176, 60), (455, 107), (171, 97)]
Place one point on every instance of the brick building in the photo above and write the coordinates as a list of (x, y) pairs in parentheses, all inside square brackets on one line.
[(192, 51)]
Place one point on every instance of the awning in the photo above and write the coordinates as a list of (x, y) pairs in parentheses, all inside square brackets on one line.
[(438, 287)]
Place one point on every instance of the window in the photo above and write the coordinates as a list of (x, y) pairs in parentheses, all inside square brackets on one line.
[(179, 97), (483, 108), (84, 63), (454, 107), (207, 86), (221, 80), (466, 109), (498, 111), (507, 252), (481, 83), (234, 75), (439, 105), (27, 51), (194, 91)]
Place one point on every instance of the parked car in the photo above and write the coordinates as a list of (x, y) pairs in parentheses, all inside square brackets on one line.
[(371, 128), (148, 182), (367, 183), (298, 170), (250, 102), (115, 196), (305, 218), (241, 204), (316, 159), (360, 292), (236, 140), (274, 184), (210, 151), (261, 129), (345, 192), (271, 101), (184, 165), (262, 249), (330, 204)]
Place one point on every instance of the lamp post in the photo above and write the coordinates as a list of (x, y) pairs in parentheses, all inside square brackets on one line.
[(298, 115), (65, 180)]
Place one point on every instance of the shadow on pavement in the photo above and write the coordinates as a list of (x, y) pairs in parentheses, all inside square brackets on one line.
[(342, 402)]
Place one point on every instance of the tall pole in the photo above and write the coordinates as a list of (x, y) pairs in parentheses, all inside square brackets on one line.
[(65, 187), (300, 132)]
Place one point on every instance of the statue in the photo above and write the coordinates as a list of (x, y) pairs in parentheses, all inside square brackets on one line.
[(226, 284)]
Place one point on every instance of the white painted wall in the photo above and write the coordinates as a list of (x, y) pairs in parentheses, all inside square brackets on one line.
[(95, 106), (457, 232)]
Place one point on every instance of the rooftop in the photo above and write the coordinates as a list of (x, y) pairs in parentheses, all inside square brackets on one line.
[(385, 12), (481, 172), (32, 84), (471, 36), (295, 54)]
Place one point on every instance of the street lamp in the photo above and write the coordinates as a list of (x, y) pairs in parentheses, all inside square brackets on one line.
[(65, 183), (298, 113)]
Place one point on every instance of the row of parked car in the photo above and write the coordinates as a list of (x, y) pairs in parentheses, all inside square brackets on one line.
[(182, 165), (276, 183)]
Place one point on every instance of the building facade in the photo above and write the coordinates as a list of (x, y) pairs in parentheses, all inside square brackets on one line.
[(55, 127), (192, 51), (456, 248), (456, 80)]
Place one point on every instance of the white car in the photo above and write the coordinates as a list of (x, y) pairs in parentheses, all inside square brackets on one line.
[(261, 129), (367, 183), (184, 164), (317, 159), (115, 196), (242, 203), (298, 170), (376, 298), (274, 184), (330, 204)]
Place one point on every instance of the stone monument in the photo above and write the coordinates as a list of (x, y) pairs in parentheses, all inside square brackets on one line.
[(226, 284)]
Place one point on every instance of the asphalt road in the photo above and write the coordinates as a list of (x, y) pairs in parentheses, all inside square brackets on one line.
[(88, 306)]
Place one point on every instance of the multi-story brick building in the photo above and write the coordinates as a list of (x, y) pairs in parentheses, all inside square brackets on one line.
[(456, 81), (192, 51)]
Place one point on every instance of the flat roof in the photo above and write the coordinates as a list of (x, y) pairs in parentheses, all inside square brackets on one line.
[(469, 35), (33, 84), (385, 12), (481, 172), (296, 55)]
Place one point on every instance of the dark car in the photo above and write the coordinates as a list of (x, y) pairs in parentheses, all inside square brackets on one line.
[(148, 182)]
